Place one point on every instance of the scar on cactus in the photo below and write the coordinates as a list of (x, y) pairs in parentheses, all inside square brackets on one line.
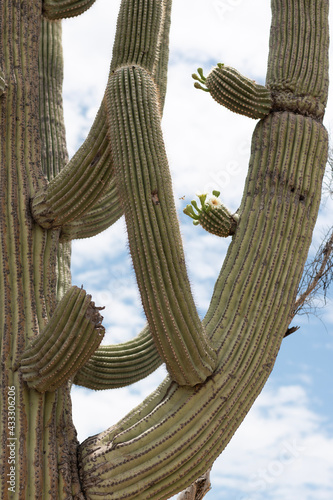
[(154, 197), (212, 215)]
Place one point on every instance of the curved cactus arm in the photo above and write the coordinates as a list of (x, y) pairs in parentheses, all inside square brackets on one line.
[(154, 237), (80, 184), (2, 82), (145, 189), (236, 92), (188, 427), (71, 336), (61, 9), (119, 365), (75, 196), (174, 436), (103, 214), (212, 215)]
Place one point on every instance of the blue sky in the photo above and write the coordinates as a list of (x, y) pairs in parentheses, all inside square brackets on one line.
[(283, 449)]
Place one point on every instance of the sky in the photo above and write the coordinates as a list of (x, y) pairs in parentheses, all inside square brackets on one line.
[(283, 449)]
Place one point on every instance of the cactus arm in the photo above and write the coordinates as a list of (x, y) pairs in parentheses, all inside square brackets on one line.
[(62, 9), (160, 70), (79, 184), (74, 199), (213, 216), (119, 365), (2, 82), (72, 334), (144, 182), (105, 212), (236, 92), (175, 435)]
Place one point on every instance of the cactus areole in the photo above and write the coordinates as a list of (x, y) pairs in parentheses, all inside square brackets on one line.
[(51, 331)]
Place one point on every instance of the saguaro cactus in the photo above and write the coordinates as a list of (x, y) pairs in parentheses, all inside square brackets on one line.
[(51, 331)]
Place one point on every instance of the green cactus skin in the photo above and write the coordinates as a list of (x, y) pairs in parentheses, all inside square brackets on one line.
[(119, 365), (238, 93), (61, 9), (219, 221), (145, 189), (80, 183), (187, 428), (2, 82), (175, 435), (104, 213), (30, 256), (71, 336)]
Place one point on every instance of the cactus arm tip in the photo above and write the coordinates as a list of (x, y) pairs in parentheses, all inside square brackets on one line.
[(235, 91), (71, 336), (212, 215)]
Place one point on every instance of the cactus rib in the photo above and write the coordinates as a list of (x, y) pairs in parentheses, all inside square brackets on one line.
[(62, 9), (187, 428), (213, 216), (79, 185), (2, 81), (71, 336), (103, 214), (119, 365)]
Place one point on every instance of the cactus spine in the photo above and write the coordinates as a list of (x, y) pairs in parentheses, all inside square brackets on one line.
[(236, 92), (49, 329), (213, 216)]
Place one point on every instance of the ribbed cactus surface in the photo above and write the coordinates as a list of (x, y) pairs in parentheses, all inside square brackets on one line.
[(238, 93)]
